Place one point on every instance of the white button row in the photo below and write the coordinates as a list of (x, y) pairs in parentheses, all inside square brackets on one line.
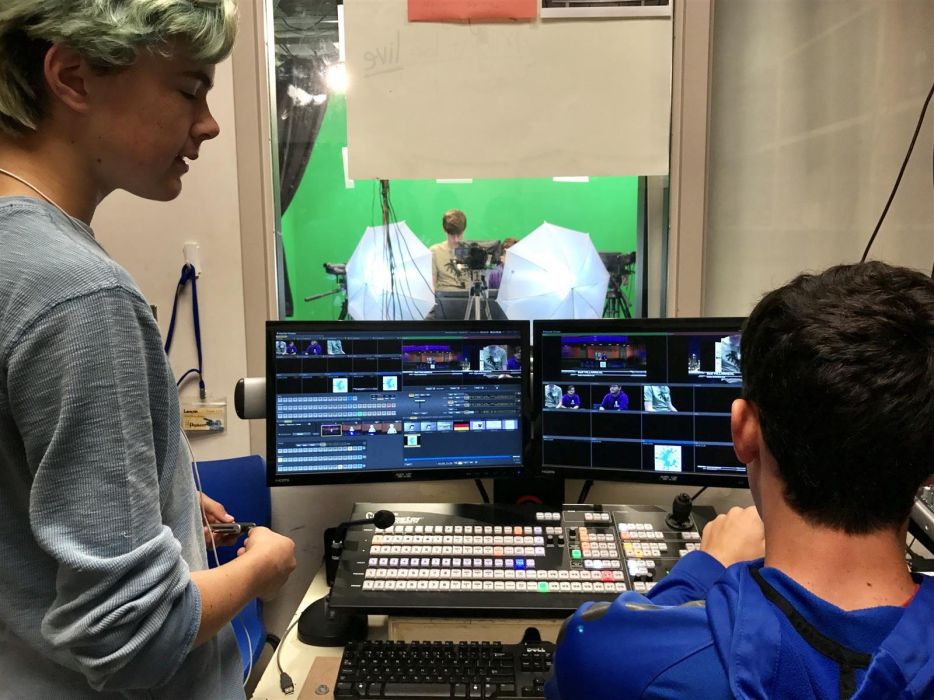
[(459, 539), (448, 562), (597, 517), (514, 530), (548, 516), (640, 567), (496, 574), (425, 550), (688, 547), (504, 586)]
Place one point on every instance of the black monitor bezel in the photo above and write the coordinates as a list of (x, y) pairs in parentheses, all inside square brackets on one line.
[(629, 326), (400, 475)]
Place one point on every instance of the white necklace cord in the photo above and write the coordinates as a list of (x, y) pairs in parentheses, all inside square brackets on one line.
[(36, 190)]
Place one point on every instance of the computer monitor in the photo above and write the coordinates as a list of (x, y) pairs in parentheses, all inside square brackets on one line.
[(639, 400), (360, 401)]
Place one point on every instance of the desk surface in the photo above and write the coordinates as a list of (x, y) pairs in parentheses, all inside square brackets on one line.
[(297, 658)]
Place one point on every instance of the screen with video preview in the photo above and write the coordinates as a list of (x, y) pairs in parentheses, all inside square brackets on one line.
[(383, 402), (641, 401)]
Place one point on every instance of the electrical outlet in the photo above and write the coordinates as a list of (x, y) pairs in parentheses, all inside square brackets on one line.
[(193, 256)]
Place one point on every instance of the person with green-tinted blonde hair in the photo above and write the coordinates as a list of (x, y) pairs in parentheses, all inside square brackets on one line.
[(105, 589)]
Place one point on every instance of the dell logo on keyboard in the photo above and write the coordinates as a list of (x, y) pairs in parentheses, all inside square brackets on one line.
[(403, 475)]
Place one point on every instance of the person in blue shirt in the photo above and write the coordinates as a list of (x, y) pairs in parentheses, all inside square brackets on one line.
[(615, 400), (571, 399), (514, 362), (813, 601)]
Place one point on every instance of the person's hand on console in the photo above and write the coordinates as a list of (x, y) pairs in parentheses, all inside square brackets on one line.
[(216, 513), (735, 536), (273, 558)]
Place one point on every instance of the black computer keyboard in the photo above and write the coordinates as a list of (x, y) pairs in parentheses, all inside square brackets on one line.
[(444, 670)]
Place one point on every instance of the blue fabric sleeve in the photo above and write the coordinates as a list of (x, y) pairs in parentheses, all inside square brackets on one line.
[(619, 652), (689, 579), (125, 612)]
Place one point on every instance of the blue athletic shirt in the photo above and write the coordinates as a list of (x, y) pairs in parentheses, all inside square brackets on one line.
[(709, 632)]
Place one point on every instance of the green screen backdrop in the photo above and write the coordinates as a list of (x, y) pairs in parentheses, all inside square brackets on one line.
[(326, 218)]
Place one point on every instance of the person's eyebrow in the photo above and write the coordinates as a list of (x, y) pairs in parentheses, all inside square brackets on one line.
[(200, 75)]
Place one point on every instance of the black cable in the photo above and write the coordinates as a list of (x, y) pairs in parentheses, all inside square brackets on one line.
[(585, 489), (901, 172), (412, 311), (699, 493), (482, 489)]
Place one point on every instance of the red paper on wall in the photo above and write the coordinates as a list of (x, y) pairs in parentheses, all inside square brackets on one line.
[(447, 10)]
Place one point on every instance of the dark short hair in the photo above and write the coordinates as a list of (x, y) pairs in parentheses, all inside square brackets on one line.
[(840, 366), (454, 222)]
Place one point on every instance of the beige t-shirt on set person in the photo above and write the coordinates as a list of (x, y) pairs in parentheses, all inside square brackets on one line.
[(444, 275)]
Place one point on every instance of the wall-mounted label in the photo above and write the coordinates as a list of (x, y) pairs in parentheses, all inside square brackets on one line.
[(204, 416), (453, 10)]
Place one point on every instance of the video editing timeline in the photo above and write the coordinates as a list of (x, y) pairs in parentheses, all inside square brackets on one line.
[(507, 560), (649, 404), (370, 400)]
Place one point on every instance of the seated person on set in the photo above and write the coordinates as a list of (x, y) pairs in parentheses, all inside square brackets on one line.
[(553, 396), (515, 360), (445, 276), (657, 398), (615, 400), (495, 278), (836, 427), (571, 399)]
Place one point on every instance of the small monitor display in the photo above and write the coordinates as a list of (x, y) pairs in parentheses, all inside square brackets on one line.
[(362, 401), (639, 400)]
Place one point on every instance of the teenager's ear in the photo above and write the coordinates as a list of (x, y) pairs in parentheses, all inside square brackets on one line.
[(744, 425), (66, 73)]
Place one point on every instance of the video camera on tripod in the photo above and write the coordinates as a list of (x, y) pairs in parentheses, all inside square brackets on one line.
[(476, 258), (621, 267), (478, 255), (339, 272)]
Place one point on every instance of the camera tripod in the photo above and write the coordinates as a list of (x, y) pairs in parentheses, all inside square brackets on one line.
[(339, 271), (478, 299)]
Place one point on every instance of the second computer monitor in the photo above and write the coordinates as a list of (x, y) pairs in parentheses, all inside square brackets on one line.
[(639, 400)]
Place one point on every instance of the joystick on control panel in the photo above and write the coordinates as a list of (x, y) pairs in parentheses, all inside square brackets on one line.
[(680, 516)]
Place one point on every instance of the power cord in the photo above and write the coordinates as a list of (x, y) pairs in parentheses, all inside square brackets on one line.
[(900, 173), (285, 680), (699, 493)]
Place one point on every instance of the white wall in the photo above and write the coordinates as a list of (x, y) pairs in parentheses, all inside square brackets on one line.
[(147, 239), (813, 107)]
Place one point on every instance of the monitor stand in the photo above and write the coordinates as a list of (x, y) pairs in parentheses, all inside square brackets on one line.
[(536, 490)]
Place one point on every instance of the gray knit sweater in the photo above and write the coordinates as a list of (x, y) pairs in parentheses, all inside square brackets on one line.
[(99, 526)]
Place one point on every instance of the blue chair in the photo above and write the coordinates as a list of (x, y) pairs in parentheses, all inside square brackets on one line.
[(240, 484)]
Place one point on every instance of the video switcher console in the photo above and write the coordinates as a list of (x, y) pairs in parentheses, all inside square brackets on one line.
[(442, 559)]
